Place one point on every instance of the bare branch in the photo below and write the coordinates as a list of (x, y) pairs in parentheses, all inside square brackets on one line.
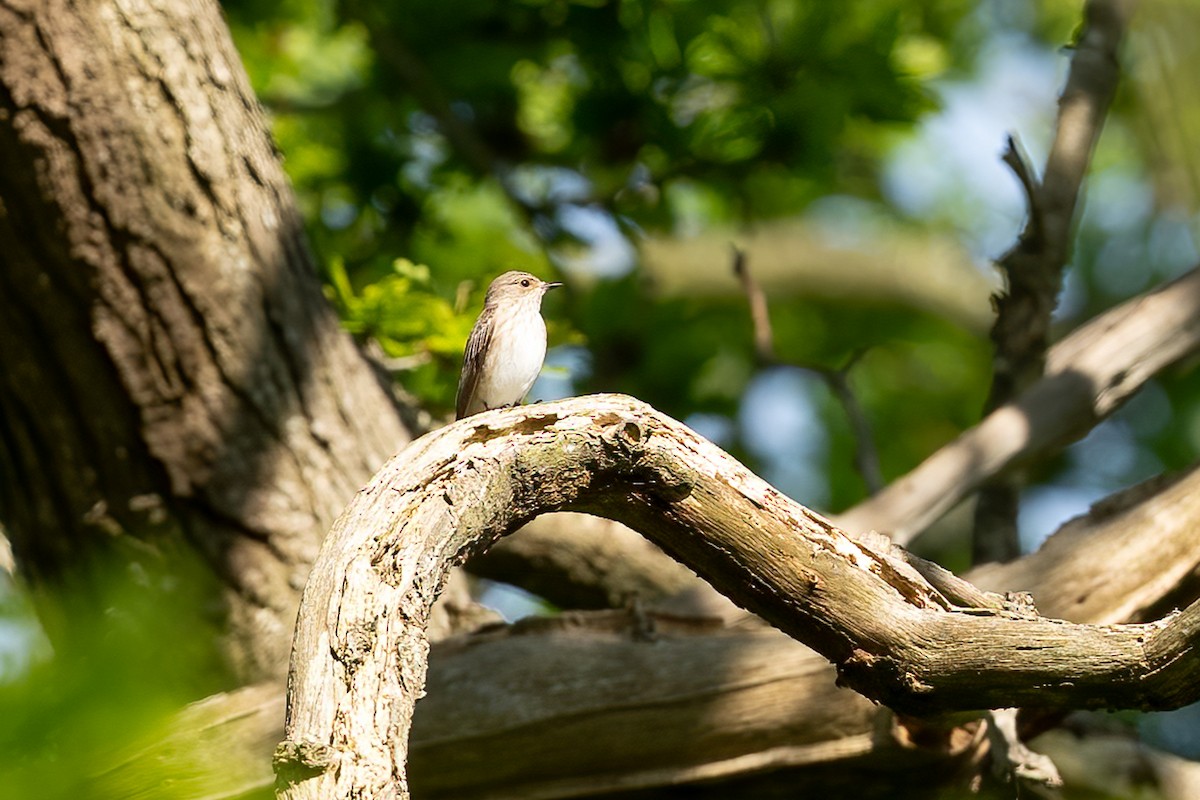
[(1034, 267), (769, 701), (961, 592), (1149, 530), (1088, 376), (360, 653), (1016, 159), (866, 460), (1084, 103)]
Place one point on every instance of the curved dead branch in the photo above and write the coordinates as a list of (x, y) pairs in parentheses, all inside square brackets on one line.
[(544, 697), (359, 657), (1089, 375)]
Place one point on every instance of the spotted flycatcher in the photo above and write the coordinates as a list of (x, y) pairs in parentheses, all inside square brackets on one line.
[(507, 345)]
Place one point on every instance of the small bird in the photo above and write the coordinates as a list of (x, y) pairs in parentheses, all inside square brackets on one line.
[(507, 345)]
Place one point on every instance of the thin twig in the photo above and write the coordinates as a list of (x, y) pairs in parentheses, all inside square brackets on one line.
[(866, 459), (960, 591), (764, 336)]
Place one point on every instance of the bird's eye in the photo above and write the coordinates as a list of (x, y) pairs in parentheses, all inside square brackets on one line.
[(525, 281)]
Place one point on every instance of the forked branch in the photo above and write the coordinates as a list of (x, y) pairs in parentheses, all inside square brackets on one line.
[(866, 459), (1033, 268)]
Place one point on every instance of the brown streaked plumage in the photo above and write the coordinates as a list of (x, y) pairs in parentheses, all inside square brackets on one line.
[(507, 345)]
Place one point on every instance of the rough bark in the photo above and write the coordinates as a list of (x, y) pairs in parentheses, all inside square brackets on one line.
[(171, 370), (359, 659)]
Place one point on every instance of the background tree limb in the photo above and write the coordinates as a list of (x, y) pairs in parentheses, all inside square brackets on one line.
[(1033, 268), (1088, 376)]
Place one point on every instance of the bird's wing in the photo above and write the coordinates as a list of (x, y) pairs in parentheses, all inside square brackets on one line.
[(477, 345)]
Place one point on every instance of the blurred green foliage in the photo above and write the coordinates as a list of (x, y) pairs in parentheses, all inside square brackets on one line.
[(133, 646), (460, 138), (434, 145), (383, 107)]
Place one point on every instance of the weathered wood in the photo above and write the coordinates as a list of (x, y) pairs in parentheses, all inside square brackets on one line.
[(1149, 530), (359, 658), (1089, 375)]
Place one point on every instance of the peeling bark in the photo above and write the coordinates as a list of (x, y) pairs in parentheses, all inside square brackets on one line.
[(567, 684), (360, 653)]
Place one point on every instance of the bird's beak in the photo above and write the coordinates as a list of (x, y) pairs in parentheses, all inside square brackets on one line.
[(547, 286)]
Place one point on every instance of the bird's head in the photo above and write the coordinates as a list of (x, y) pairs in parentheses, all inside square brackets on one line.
[(516, 286)]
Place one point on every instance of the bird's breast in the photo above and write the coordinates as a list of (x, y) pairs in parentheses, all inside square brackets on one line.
[(515, 355)]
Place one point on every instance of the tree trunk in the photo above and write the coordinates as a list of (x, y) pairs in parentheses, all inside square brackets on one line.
[(171, 370)]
